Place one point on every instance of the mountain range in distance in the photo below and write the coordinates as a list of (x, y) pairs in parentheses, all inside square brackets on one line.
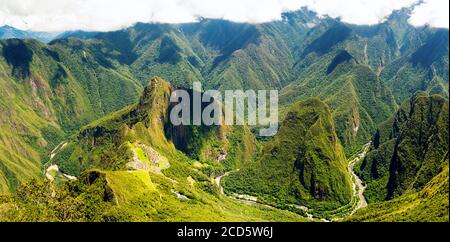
[(363, 123), (9, 32)]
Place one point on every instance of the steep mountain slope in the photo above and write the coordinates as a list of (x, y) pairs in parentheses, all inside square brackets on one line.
[(221, 54), (131, 171), (408, 149), (425, 69), (141, 132), (150, 50), (341, 63), (304, 164), (246, 56), (47, 92), (359, 100), (430, 204), (297, 50)]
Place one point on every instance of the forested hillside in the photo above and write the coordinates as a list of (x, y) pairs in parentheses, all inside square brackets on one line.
[(82, 126)]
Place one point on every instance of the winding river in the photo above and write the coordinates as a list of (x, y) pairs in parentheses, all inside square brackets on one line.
[(357, 186)]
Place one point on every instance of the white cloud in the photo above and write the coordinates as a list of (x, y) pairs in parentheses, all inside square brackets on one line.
[(431, 12), (105, 15), (359, 11)]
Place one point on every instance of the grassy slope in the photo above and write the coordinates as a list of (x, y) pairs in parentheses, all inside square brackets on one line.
[(47, 92), (103, 143), (71, 82), (106, 196), (180, 191), (201, 206)]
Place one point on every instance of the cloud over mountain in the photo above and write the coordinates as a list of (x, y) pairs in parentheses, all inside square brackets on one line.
[(431, 12), (106, 15)]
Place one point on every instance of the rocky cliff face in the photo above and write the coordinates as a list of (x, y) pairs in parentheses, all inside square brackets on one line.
[(409, 149), (114, 141)]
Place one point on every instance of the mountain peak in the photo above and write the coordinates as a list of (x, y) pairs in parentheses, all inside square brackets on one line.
[(150, 91), (154, 101), (305, 156)]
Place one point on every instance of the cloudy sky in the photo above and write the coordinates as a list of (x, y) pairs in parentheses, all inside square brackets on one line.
[(106, 15)]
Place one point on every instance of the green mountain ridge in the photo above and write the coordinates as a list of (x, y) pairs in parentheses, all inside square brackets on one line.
[(429, 204), (73, 107), (47, 93), (146, 124), (426, 69), (304, 164), (130, 171), (408, 149), (9, 32), (359, 100)]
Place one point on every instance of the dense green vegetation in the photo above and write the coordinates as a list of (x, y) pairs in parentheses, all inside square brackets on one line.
[(83, 102), (424, 69), (428, 204), (304, 164), (359, 100), (408, 149), (108, 143), (129, 196), (47, 92), (128, 170)]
